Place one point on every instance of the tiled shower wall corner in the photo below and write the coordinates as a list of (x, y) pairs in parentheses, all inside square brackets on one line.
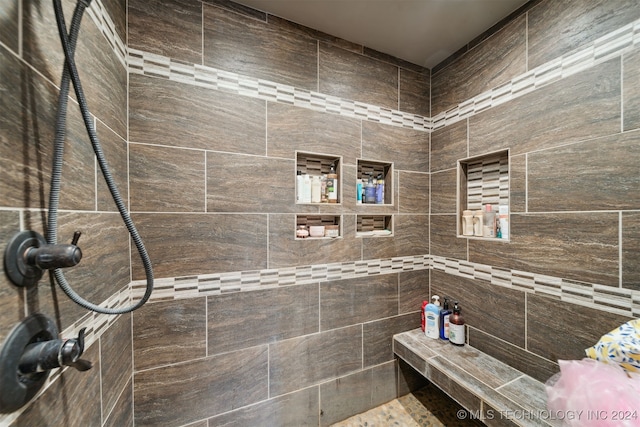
[(214, 111)]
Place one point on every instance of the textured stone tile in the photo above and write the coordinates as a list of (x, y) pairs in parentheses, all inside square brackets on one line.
[(631, 90), (557, 28), (579, 107), (347, 302), (275, 314), (11, 297), (410, 237), (201, 388), (448, 145), (122, 413), (521, 359), (301, 362), (384, 380), (413, 192), (170, 113), (413, 289), (214, 243), (444, 192), (251, 47), (455, 390), (415, 92), (409, 379), (300, 408), (494, 62), (518, 184), (291, 129), (527, 390), (115, 151), (597, 182), (378, 336), (578, 246), (351, 76), (170, 28), (116, 362), (166, 179), (443, 237), (630, 250), (240, 183), (117, 11), (10, 14), (408, 149), (565, 336), (179, 337), (495, 310)]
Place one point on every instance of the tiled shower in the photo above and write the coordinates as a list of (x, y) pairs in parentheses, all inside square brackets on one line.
[(201, 107)]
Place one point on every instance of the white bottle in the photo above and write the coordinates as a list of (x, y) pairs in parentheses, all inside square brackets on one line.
[(315, 189), (503, 211), (306, 189), (299, 187), (432, 318)]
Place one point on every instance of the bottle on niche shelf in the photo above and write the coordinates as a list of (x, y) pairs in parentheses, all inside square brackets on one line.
[(332, 185)]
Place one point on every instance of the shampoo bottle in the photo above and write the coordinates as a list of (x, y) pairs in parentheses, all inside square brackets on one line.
[(370, 191), (359, 191), (332, 185), (456, 326), (380, 190), (445, 313), (422, 317), (432, 318)]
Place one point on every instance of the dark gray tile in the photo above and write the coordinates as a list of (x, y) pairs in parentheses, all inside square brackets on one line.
[(415, 92), (251, 47), (9, 16), (181, 336), (631, 90), (413, 289), (495, 310), (630, 250), (377, 337), (409, 379), (275, 314), (347, 302), (301, 362), (384, 383), (170, 28), (170, 113), (579, 246), (444, 241), (444, 192), (600, 182), (410, 237), (214, 243), (518, 184), (456, 391), (12, 304), (201, 388), (553, 115), (115, 152), (557, 28), (414, 191), (408, 149), (567, 334), (122, 413), (351, 76), (448, 145), (165, 179), (116, 362)]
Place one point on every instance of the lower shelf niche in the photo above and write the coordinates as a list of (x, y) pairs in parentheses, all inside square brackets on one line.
[(374, 225), (318, 227)]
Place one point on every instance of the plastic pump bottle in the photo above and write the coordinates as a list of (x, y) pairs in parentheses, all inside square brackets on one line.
[(380, 190), (432, 318), (445, 313), (370, 191)]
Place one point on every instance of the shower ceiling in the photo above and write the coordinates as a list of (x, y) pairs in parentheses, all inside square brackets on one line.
[(423, 32)]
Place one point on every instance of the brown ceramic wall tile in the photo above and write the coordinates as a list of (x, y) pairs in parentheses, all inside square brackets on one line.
[(179, 337), (348, 75), (408, 149), (251, 47), (115, 152), (415, 93), (603, 176), (275, 314), (583, 106), (630, 250), (377, 337), (291, 129), (409, 379), (183, 244), (347, 302), (240, 183), (567, 334), (444, 192), (631, 90), (117, 11), (492, 309), (492, 63), (300, 362), (410, 237), (201, 388), (116, 361), (11, 297), (444, 240), (170, 28), (413, 192), (517, 357), (448, 145), (300, 408), (10, 13), (122, 413), (165, 179), (518, 183), (286, 251), (170, 113), (414, 288), (579, 246), (557, 28)]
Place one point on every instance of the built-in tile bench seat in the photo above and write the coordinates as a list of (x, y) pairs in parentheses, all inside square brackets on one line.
[(480, 383)]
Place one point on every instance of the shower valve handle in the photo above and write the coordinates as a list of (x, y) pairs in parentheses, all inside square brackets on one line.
[(48, 257)]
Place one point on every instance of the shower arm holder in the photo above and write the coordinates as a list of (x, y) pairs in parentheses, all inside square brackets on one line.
[(28, 255)]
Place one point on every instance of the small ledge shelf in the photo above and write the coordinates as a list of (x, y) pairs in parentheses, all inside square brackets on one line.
[(374, 225), (379, 171), (327, 221)]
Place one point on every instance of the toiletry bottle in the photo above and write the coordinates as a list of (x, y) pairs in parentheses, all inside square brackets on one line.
[(323, 189), (315, 189), (306, 189), (477, 222), (359, 191), (432, 317), (332, 185), (489, 227), (444, 320), (467, 223), (370, 191), (422, 317), (380, 190), (456, 326), (503, 218)]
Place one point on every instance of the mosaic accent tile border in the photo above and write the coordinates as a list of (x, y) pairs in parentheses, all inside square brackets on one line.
[(102, 19)]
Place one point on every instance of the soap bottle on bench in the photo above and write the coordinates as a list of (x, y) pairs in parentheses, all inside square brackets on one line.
[(445, 313), (456, 326), (432, 318)]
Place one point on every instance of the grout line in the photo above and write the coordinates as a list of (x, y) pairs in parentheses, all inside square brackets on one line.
[(620, 252)]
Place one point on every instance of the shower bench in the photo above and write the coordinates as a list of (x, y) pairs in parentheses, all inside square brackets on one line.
[(490, 390)]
